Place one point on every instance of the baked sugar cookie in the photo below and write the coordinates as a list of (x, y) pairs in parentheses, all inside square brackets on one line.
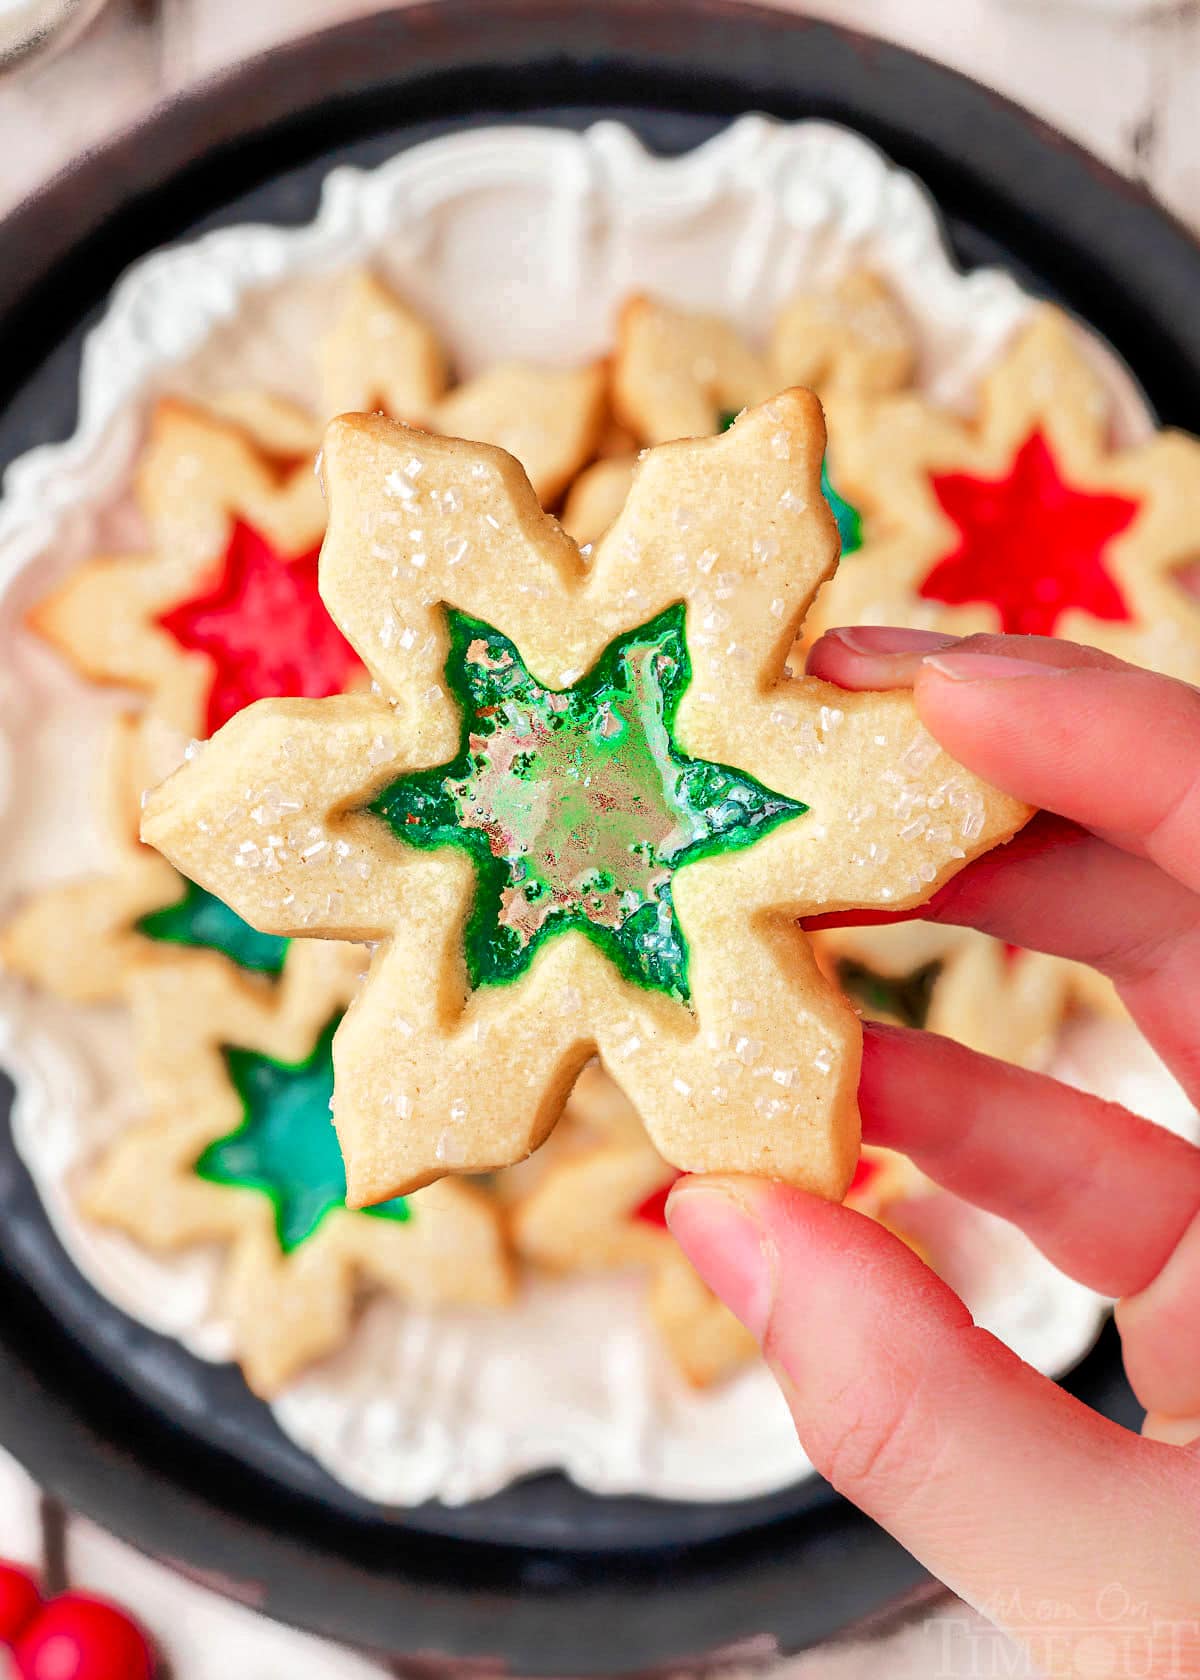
[(596, 498), (239, 1151), (223, 607), (276, 425), (81, 939), (1027, 520), (603, 1210), (379, 355), (601, 1206), (677, 374), (585, 810), (851, 339), (999, 999)]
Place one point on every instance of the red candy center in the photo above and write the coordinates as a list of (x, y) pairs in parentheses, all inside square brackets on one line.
[(865, 1173), (265, 628), (653, 1211), (1030, 545)]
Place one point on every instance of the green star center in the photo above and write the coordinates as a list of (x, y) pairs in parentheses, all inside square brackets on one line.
[(285, 1147), (201, 921), (578, 805)]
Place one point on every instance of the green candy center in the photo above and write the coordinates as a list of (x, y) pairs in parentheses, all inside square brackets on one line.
[(848, 519), (577, 806), (285, 1147), (200, 920)]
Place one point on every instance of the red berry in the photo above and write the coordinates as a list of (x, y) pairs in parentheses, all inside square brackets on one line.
[(82, 1638), (20, 1601)]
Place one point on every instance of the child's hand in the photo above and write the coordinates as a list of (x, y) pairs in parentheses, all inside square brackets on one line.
[(1010, 1490)]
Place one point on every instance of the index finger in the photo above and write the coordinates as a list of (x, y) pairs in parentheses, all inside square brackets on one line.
[(1112, 747)]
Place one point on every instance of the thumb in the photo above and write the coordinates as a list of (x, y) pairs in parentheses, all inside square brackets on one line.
[(1012, 1492)]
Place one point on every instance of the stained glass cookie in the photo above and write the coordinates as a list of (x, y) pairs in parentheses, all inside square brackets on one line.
[(238, 1150), (998, 999), (378, 355), (849, 339), (82, 939), (679, 374), (222, 607), (671, 803), (1026, 520), (601, 1207)]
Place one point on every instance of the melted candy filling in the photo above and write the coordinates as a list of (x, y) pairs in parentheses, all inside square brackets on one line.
[(653, 1211), (202, 921), (265, 629), (285, 1147), (1029, 545), (577, 806), (865, 1174), (848, 518)]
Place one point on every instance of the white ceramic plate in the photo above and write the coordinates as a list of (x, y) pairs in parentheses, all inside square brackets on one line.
[(516, 242)]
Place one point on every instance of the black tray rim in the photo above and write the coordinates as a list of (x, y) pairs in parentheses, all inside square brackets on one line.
[(715, 40)]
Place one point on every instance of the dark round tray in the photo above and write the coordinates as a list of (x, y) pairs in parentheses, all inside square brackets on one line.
[(173, 1454)]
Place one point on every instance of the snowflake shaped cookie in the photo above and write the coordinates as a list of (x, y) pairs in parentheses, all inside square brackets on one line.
[(223, 607), (1027, 520), (678, 374), (999, 999), (748, 800), (239, 1150), (81, 939), (600, 1205), (380, 354), (600, 1208)]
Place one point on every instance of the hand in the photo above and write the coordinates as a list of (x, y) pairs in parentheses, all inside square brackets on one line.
[(1007, 1488)]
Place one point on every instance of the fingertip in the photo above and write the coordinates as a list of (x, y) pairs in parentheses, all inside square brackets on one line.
[(872, 656), (717, 1224)]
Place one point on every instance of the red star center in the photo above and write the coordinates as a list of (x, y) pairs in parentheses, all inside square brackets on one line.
[(1030, 545), (265, 629)]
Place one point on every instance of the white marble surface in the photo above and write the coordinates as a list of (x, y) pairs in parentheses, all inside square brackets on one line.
[(1121, 76)]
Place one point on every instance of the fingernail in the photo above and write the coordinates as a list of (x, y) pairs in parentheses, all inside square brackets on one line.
[(728, 1247), (885, 639), (964, 665)]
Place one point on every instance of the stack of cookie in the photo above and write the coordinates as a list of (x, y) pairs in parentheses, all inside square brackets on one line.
[(1023, 519), (234, 1026)]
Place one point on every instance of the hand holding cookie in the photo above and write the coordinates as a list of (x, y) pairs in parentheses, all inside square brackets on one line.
[(586, 809), (1007, 1487)]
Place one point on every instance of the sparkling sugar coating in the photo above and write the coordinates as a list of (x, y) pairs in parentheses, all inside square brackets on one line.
[(847, 518), (725, 536), (578, 806), (286, 1147)]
